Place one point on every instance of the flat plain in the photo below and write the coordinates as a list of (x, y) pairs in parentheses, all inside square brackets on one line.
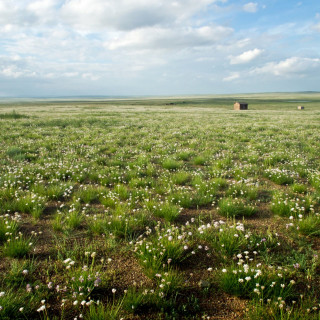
[(163, 208)]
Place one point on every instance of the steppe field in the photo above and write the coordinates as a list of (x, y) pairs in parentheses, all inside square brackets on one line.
[(176, 208)]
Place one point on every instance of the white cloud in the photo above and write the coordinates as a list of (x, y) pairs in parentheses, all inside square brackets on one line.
[(71, 74), (26, 13), (91, 76), (317, 27), (246, 56), (128, 14), (251, 7), (45, 11), (165, 38), (28, 68), (243, 42), (14, 12), (105, 45), (15, 67), (55, 44), (11, 72), (232, 76), (291, 66), (92, 15)]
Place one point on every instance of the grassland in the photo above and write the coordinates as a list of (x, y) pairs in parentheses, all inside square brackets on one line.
[(171, 208)]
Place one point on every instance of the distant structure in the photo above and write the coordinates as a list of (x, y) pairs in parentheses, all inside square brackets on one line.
[(240, 106), (300, 107)]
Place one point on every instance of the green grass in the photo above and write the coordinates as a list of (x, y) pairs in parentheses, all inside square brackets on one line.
[(167, 211), (13, 115), (309, 226), (257, 283), (134, 208), (18, 247), (171, 164), (287, 206), (102, 312), (229, 207), (8, 227)]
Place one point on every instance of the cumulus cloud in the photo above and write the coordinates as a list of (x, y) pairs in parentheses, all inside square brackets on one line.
[(120, 14), (291, 66), (113, 43), (29, 13), (14, 12), (128, 14), (77, 39), (16, 67), (11, 72), (232, 76), (251, 7), (44, 11), (246, 56), (97, 14), (165, 38)]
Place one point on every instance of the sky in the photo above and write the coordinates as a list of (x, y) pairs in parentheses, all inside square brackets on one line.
[(57, 48)]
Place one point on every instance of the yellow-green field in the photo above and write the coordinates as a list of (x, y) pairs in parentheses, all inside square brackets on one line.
[(163, 208)]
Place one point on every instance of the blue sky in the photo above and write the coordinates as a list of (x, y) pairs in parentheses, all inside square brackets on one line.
[(158, 47)]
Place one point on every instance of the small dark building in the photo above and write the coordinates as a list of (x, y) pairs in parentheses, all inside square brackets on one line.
[(240, 106)]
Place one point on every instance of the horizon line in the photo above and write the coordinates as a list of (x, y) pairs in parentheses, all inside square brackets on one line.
[(126, 97)]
